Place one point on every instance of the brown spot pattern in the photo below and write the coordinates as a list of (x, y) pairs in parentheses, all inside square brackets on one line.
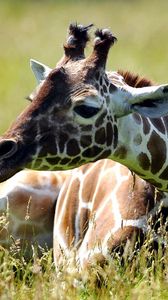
[(164, 174), (53, 160), (37, 164), (137, 118), (109, 133), (73, 148), (97, 86), (75, 161), (101, 92), (100, 119), (84, 223), (106, 81), (137, 139), (104, 88), (85, 141), (105, 154), (87, 128), (90, 182), (48, 145), (121, 236), (62, 141), (69, 128), (121, 152), (158, 124), (112, 88), (91, 152), (135, 195), (146, 125), (65, 161), (144, 161), (71, 208), (157, 147), (97, 75), (115, 141), (165, 120), (100, 136)]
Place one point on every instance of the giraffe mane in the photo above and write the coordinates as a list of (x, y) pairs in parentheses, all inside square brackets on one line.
[(135, 80)]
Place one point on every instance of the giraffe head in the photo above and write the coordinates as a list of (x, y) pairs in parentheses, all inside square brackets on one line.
[(72, 118)]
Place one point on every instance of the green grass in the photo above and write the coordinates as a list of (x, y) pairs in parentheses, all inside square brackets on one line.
[(139, 276), (37, 29)]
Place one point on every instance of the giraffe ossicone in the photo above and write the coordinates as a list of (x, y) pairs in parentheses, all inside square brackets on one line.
[(81, 114)]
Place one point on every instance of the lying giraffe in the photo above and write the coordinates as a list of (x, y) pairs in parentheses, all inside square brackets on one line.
[(81, 114), (27, 208), (100, 207)]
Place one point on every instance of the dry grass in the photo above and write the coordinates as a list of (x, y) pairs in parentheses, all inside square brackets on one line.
[(140, 275)]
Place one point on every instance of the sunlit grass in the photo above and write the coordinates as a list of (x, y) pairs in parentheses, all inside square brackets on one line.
[(139, 273), (142, 275)]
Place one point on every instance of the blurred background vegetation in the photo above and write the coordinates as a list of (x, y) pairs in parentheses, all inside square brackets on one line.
[(37, 29)]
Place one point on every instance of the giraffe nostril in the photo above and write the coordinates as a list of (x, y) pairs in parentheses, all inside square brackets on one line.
[(7, 148)]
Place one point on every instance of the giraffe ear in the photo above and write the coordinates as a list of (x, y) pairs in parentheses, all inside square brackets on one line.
[(151, 101), (152, 108), (40, 70)]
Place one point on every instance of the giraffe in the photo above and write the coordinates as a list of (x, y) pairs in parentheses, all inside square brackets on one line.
[(81, 114), (100, 207), (27, 207), (120, 203)]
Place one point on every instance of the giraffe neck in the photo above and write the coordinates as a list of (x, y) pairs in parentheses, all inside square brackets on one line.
[(142, 147)]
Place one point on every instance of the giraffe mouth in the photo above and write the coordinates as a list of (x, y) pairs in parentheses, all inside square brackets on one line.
[(13, 157)]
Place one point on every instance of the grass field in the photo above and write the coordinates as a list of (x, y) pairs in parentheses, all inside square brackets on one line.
[(37, 29), (142, 275)]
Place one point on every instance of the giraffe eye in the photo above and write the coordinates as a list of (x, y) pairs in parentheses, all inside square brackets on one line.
[(86, 111)]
